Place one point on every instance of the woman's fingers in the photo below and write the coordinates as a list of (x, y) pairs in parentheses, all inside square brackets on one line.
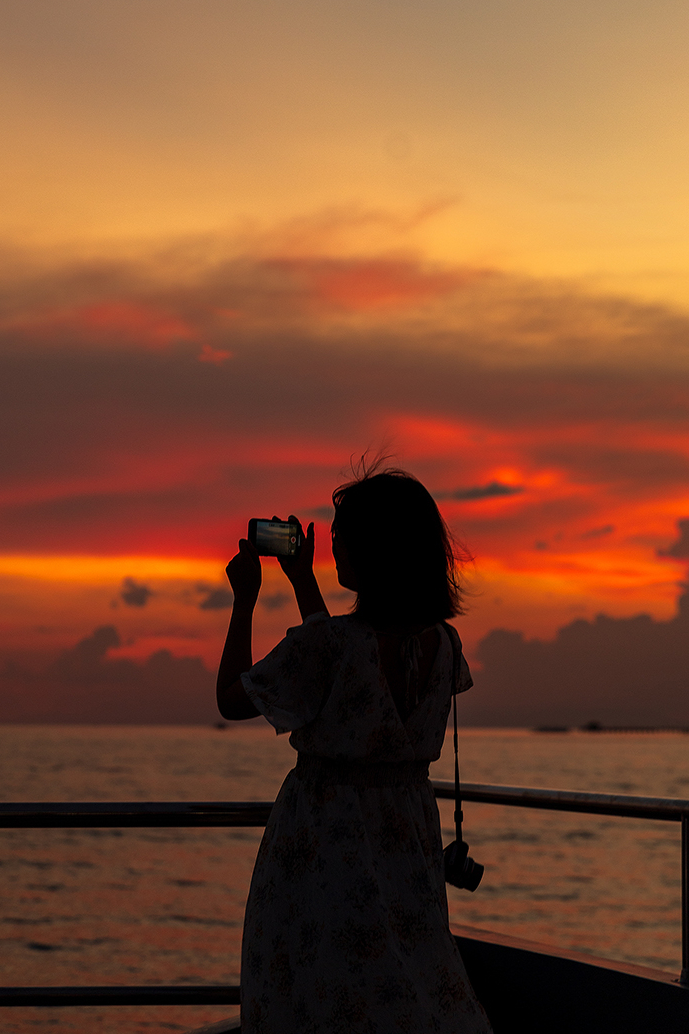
[(250, 549), (295, 520), (244, 571)]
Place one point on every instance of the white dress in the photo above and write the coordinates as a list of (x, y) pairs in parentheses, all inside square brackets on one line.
[(346, 928)]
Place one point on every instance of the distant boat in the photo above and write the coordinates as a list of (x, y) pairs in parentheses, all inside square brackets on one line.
[(598, 727)]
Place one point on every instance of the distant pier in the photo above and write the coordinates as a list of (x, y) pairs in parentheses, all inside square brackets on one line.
[(598, 727)]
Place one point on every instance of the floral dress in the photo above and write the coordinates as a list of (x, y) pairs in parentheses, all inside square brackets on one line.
[(346, 928)]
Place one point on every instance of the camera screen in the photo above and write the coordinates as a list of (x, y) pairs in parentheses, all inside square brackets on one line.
[(275, 538)]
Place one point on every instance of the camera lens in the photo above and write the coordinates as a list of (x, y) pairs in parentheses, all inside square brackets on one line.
[(473, 873)]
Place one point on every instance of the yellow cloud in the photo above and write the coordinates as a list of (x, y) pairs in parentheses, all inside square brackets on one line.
[(90, 570)]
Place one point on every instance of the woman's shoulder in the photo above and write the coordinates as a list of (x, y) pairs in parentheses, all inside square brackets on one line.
[(342, 626), (349, 621), (323, 625), (344, 633)]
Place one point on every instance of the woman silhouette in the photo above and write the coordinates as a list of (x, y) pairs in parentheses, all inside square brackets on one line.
[(346, 928)]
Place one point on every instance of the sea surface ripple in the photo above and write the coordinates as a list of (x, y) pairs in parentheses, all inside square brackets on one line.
[(140, 906)]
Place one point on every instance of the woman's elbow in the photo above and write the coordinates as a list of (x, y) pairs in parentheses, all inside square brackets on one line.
[(233, 703)]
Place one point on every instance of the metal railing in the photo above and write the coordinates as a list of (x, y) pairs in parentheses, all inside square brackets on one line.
[(668, 809), (89, 816)]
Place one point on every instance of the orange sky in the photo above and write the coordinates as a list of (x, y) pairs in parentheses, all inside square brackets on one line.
[(244, 242)]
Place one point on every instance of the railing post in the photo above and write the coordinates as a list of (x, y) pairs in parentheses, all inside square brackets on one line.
[(684, 976)]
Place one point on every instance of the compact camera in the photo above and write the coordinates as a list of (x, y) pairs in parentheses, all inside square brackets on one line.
[(461, 870)]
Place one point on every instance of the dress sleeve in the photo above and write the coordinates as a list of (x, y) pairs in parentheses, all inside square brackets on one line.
[(289, 685), (462, 675)]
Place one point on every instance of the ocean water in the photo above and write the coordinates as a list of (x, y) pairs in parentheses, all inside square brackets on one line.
[(165, 906)]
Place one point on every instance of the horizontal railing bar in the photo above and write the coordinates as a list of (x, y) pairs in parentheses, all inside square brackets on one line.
[(249, 813), (199, 994), (671, 809), (137, 814)]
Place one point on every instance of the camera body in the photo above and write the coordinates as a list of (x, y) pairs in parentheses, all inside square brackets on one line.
[(461, 870), (274, 538)]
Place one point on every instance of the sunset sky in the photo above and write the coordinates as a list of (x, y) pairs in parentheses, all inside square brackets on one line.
[(244, 241)]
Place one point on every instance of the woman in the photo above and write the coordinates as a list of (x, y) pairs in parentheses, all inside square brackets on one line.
[(346, 928)]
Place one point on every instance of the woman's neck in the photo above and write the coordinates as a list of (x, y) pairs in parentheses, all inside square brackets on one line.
[(398, 626)]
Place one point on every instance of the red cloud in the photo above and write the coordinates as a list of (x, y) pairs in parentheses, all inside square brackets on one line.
[(202, 441), (109, 322), (208, 354), (137, 322), (358, 285)]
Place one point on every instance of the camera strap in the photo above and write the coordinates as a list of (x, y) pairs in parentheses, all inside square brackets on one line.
[(455, 687), (458, 800)]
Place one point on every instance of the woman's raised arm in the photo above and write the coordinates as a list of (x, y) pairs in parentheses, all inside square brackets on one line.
[(300, 572), (244, 574)]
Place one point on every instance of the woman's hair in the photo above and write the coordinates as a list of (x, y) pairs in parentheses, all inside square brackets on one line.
[(400, 549)]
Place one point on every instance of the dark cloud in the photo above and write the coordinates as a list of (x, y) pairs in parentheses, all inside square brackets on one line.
[(623, 466), (322, 513), (274, 601), (494, 488), (113, 436), (680, 548), (597, 533), (84, 684), (217, 599), (341, 595), (204, 292), (135, 594), (617, 671)]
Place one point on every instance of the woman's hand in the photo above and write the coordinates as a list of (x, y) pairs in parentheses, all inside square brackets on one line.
[(299, 568), (244, 574)]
